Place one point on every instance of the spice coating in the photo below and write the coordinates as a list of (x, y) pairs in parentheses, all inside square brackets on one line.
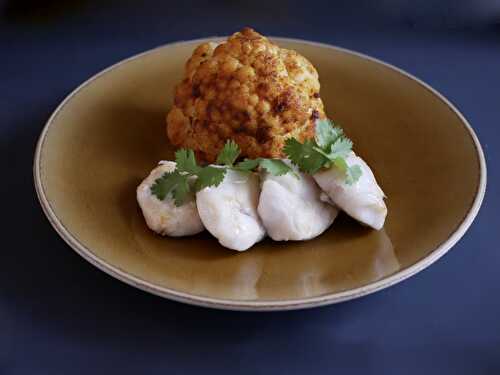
[(246, 89)]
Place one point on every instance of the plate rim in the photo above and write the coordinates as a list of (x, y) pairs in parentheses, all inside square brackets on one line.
[(266, 305)]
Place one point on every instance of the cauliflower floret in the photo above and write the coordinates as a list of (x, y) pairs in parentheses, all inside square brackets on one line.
[(246, 89)]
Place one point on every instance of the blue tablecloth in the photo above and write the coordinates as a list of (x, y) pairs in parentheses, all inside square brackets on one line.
[(60, 315)]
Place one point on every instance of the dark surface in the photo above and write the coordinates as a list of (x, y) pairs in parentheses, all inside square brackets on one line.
[(60, 315)]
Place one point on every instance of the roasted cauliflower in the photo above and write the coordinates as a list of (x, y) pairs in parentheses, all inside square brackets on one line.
[(246, 89)]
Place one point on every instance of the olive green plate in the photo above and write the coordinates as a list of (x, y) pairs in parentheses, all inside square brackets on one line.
[(110, 132)]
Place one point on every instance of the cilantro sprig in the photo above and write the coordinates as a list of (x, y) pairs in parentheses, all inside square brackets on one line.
[(175, 183), (189, 177), (330, 147), (231, 151), (275, 167)]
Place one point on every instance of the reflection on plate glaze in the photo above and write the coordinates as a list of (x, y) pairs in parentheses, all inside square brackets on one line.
[(344, 257), (311, 272), (199, 264), (241, 281), (378, 262)]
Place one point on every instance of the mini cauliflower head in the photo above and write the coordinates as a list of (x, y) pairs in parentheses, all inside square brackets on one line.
[(246, 89)]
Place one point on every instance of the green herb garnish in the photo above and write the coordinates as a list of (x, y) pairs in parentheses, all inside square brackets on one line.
[(189, 177), (228, 154), (276, 167), (330, 147)]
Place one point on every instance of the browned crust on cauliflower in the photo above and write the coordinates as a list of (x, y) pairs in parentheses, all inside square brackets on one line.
[(246, 89)]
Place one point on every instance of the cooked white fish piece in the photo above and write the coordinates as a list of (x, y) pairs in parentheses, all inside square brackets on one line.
[(164, 217), (290, 207), (229, 211), (363, 200)]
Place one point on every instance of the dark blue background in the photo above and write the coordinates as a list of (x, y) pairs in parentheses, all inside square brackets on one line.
[(59, 315)]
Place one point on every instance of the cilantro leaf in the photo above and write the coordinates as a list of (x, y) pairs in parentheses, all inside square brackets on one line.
[(188, 175), (353, 174), (186, 161), (341, 164), (275, 166), (173, 183), (326, 133), (209, 176), (330, 148), (340, 148), (162, 186), (247, 165), (304, 155), (181, 191), (228, 154)]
